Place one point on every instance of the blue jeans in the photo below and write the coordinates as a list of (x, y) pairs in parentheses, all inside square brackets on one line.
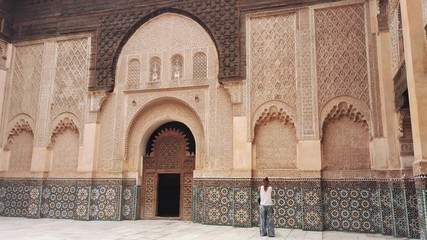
[(266, 225)]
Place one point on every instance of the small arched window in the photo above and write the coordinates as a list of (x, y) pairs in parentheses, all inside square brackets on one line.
[(177, 67), (199, 65), (155, 66)]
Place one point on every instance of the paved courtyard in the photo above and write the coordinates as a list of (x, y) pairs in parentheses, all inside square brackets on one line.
[(24, 228)]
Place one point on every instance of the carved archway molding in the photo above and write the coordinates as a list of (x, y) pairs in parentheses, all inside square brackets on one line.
[(346, 106), (271, 110), (20, 123), (60, 124), (151, 116)]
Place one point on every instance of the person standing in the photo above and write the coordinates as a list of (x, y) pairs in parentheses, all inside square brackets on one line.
[(266, 211)]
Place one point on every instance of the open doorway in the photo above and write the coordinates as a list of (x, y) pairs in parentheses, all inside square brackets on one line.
[(168, 195), (168, 173)]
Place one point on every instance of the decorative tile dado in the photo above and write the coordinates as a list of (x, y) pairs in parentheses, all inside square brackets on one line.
[(65, 201), (129, 202), (219, 208), (242, 207), (81, 199), (392, 207), (361, 205), (15, 200), (351, 209), (104, 202)]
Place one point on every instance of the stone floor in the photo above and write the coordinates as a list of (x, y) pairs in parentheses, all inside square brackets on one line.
[(24, 228)]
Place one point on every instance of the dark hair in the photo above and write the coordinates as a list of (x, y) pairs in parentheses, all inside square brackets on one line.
[(265, 179)]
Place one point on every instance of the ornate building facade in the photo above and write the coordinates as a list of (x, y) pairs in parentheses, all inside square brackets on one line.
[(132, 110)]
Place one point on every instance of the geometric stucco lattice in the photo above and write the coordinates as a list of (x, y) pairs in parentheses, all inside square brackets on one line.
[(341, 53), (26, 79), (272, 61), (71, 78), (396, 37)]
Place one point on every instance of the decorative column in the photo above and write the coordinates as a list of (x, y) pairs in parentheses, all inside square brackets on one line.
[(388, 110), (41, 154), (88, 154), (242, 148), (309, 146), (4, 66), (415, 43)]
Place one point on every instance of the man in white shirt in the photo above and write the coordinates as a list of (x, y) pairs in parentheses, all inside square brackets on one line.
[(266, 211)]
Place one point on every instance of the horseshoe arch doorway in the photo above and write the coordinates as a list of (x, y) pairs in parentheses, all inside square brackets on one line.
[(168, 165)]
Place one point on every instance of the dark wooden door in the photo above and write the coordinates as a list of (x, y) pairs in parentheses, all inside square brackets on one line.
[(169, 156)]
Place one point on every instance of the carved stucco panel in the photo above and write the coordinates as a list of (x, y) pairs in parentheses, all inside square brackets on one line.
[(345, 145), (194, 98), (66, 151), (272, 63), (71, 79), (21, 152), (20, 143), (341, 57), (276, 145), (222, 137), (375, 101), (25, 80), (166, 32), (41, 134), (306, 83), (394, 39), (107, 118), (163, 39)]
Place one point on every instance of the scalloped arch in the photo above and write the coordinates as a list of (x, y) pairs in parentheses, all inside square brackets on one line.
[(345, 105), (177, 132), (61, 123), (25, 117), (269, 110), (21, 122)]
